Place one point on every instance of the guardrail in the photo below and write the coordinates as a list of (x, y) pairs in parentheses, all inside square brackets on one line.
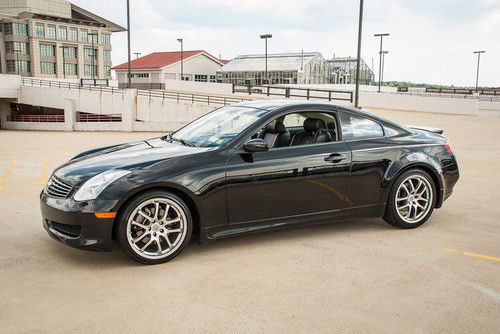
[(199, 98), (36, 118), (70, 85), (483, 91), (85, 118), (307, 93)]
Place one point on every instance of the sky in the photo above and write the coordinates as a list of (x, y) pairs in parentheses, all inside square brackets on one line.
[(430, 41)]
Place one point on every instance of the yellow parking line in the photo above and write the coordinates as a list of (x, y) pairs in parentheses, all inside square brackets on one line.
[(479, 256), (44, 174), (7, 173)]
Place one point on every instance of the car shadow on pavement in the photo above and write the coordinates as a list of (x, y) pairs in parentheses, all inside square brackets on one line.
[(117, 258)]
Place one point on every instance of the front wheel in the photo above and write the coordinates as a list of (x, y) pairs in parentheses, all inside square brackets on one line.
[(411, 201), (154, 227)]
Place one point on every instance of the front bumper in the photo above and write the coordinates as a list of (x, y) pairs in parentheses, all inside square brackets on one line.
[(70, 222)]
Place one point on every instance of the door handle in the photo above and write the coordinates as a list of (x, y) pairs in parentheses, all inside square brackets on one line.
[(336, 157)]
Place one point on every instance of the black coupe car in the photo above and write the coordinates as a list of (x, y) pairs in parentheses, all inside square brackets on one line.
[(248, 167)]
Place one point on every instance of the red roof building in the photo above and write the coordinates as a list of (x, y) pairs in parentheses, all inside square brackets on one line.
[(152, 70)]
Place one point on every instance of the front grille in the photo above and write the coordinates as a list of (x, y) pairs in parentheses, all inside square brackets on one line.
[(58, 188), (73, 231)]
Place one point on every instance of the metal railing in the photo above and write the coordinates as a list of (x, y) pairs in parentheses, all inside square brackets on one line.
[(36, 118), (193, 98), (85, 118), (69, 85), (483, 91), (287, 92)]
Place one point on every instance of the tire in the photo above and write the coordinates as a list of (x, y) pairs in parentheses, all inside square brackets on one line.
[(412, 200), (159, 222)]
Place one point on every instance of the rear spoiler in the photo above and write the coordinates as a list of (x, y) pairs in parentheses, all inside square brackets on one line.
[(426, 128)]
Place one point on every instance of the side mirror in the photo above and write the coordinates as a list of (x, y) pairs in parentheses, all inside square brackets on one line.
[(256, 145)]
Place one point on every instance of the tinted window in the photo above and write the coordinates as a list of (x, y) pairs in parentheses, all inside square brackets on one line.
[(355, 127)]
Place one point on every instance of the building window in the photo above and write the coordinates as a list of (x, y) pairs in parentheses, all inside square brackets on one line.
[(89, 71), (107, 71), (73, 34), (212, 78), (47, 68), (90, 53), (200, 77), (107, 54), (47, 50), (15, 29), (40, 30), (70, 52), (17, 47), (70, 69), (106, 39), (51, 31), (84, 35), (93, 36), (63, 33), (139, 75), (18, 66)]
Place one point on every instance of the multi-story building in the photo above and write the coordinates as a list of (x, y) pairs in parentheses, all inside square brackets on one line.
[(282, 68), (54, 39)]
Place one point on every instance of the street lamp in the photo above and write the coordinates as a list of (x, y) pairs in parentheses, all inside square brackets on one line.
[(358, 60), (129, 68), (266, 36), (383, 64), (63, 47), (477, 71), (92, 34), (380, 59), (137, 54), (180, 40)]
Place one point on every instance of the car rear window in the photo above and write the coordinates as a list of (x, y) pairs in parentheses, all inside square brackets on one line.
[(356, 127)]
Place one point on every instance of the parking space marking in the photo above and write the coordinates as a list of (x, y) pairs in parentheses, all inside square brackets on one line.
[(7, 173), (479, 256), (44, 174)]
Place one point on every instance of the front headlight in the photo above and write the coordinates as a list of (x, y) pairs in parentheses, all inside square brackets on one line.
[(93, 187)]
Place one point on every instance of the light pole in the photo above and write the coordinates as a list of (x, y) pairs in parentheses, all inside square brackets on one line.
[(137, 54), (358, 60), (180, 40), (129, 68), (380, 59), (383, 64), (93, 55), (477, 71), (63, 47), (266, 37)]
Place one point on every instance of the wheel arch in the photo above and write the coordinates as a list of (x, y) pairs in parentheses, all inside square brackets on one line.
[(182, 193), (416, 161)]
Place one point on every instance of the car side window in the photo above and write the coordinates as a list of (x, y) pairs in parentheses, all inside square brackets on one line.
[(356, 127)]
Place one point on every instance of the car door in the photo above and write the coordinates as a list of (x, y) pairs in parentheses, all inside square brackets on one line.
[(288, 181)]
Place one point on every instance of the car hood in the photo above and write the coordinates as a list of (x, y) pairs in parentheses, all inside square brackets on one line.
[(127, 156)]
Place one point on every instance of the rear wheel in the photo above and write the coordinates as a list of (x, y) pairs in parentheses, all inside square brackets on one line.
[(154, 227), (412, 200)]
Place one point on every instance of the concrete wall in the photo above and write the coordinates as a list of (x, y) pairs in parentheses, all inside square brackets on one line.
[(10, 86), (445, 105), (210, 88)]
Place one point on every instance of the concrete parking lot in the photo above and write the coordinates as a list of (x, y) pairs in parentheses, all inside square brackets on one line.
[(359, 276)]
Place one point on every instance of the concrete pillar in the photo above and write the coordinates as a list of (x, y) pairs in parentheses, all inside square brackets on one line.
[(69, 114), (129, 112), (4, 111)]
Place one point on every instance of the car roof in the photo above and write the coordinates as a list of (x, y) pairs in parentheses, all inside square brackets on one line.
[(278, 104)]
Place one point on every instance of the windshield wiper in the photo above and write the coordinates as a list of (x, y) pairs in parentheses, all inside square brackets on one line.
[(182, 141)]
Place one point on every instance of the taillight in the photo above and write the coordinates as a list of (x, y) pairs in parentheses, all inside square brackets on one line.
[(448, 147)]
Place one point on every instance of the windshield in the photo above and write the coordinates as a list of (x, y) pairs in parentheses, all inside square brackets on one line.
[(218, 127)]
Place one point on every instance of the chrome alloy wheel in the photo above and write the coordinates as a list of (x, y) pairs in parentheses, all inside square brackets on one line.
[(414, 199), (156, 228)]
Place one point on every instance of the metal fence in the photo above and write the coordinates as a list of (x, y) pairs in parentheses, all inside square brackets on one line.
[(193, 98), (287, 92), (69, 85), (36, 118), (85, 117)]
